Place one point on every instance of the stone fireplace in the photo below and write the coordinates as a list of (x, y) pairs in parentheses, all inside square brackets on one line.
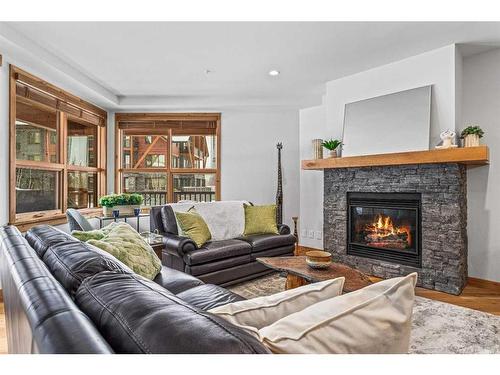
[(389, 221)]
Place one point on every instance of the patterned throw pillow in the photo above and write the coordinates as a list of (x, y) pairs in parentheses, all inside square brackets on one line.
[(125, 244), (260, 220), (194, 227)]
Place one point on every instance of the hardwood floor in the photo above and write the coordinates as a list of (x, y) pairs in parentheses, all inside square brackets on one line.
[(479, 295), (3, 334)]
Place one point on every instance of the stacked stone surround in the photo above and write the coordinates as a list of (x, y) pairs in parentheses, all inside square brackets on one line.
[(444, 219)]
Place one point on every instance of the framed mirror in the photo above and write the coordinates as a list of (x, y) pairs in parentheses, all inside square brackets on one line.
[(390, 123)]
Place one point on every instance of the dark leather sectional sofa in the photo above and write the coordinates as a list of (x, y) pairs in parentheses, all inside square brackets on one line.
[(223, 262), (65, 296)]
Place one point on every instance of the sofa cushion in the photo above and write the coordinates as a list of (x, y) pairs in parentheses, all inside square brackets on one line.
[(176, 281), (276, 252), (72, 262), (221, 264), (209, 296), (260, 242), (169, 220), (215, 250), (136, 315), (263, 311), (43, 236), (260, 219), (375, 319), (194, 227)]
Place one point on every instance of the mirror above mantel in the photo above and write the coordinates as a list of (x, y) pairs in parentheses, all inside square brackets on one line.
[(396, 122)]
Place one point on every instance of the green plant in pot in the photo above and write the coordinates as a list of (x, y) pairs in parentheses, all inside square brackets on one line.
[(471, 135), (332, 146), (125, 203)]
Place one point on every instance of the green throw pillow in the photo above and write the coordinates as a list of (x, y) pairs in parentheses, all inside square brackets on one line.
[(95, 234), (125, 244), (193, 226), (260, 219)]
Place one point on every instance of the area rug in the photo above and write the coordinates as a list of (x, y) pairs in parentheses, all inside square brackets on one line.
[(437, 328)]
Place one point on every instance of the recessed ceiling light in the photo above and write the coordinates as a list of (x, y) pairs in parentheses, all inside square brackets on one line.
[(274, 73)]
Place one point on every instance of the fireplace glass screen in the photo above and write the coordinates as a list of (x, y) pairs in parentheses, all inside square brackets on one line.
[(387, 228)]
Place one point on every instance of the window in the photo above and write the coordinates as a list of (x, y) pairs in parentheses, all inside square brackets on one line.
[(152, 186), (59, 144), (169, 157)]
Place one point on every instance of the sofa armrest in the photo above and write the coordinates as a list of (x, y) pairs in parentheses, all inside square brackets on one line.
[(283, 229), (178, 243)]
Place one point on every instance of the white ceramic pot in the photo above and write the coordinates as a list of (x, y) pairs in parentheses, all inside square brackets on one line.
[(471, 140), (332, 154), (124, 210)]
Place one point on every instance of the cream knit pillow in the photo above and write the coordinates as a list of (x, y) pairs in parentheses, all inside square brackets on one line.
[(375, 319), (259, 312)]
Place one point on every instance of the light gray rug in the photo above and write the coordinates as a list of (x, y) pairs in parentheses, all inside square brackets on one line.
[(438, 327)]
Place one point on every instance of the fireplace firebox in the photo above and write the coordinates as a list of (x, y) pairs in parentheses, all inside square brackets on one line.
[(385, 226)]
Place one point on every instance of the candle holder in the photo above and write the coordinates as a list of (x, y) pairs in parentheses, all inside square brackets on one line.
[(116, 214)]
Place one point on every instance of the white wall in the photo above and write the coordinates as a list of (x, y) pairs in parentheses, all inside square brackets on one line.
[(437, 68), (481, 98), (312, 125), (249, 157)]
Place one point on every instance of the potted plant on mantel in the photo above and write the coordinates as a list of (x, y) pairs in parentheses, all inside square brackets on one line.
[(471, 135), (332, 146), (125, 203)]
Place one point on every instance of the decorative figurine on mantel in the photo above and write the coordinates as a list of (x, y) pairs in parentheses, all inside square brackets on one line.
[(279, 192), (448, 138)]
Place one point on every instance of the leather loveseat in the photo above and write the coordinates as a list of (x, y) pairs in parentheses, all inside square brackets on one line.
[(65, 296), (222, 262)]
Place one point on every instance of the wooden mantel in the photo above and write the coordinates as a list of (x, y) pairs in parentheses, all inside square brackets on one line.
[(470, 156)]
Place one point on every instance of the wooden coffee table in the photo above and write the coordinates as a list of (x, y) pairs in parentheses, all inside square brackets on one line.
[(299, 273)]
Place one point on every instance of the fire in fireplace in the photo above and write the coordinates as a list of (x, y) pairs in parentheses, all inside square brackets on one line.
[(385, 226)]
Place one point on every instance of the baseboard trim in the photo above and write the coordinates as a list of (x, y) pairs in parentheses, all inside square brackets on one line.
[(474, 281)]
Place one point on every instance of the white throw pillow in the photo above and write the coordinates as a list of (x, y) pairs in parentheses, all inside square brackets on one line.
[(263, 311), (375, 319)]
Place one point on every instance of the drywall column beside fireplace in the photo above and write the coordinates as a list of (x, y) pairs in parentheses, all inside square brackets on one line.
[(443, 188)]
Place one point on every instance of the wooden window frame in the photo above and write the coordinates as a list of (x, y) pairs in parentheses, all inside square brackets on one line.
[(166, 124), (46, 95)]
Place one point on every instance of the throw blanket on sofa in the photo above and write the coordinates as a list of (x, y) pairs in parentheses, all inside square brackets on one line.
[(225, 219)]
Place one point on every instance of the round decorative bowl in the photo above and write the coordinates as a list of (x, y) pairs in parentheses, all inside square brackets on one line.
[(318, 259)]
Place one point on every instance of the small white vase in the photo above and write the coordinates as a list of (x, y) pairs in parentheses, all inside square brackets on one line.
[(471, 140), (332, 154)]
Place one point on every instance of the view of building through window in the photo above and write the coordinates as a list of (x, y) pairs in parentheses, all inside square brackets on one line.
[(169, 165)]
